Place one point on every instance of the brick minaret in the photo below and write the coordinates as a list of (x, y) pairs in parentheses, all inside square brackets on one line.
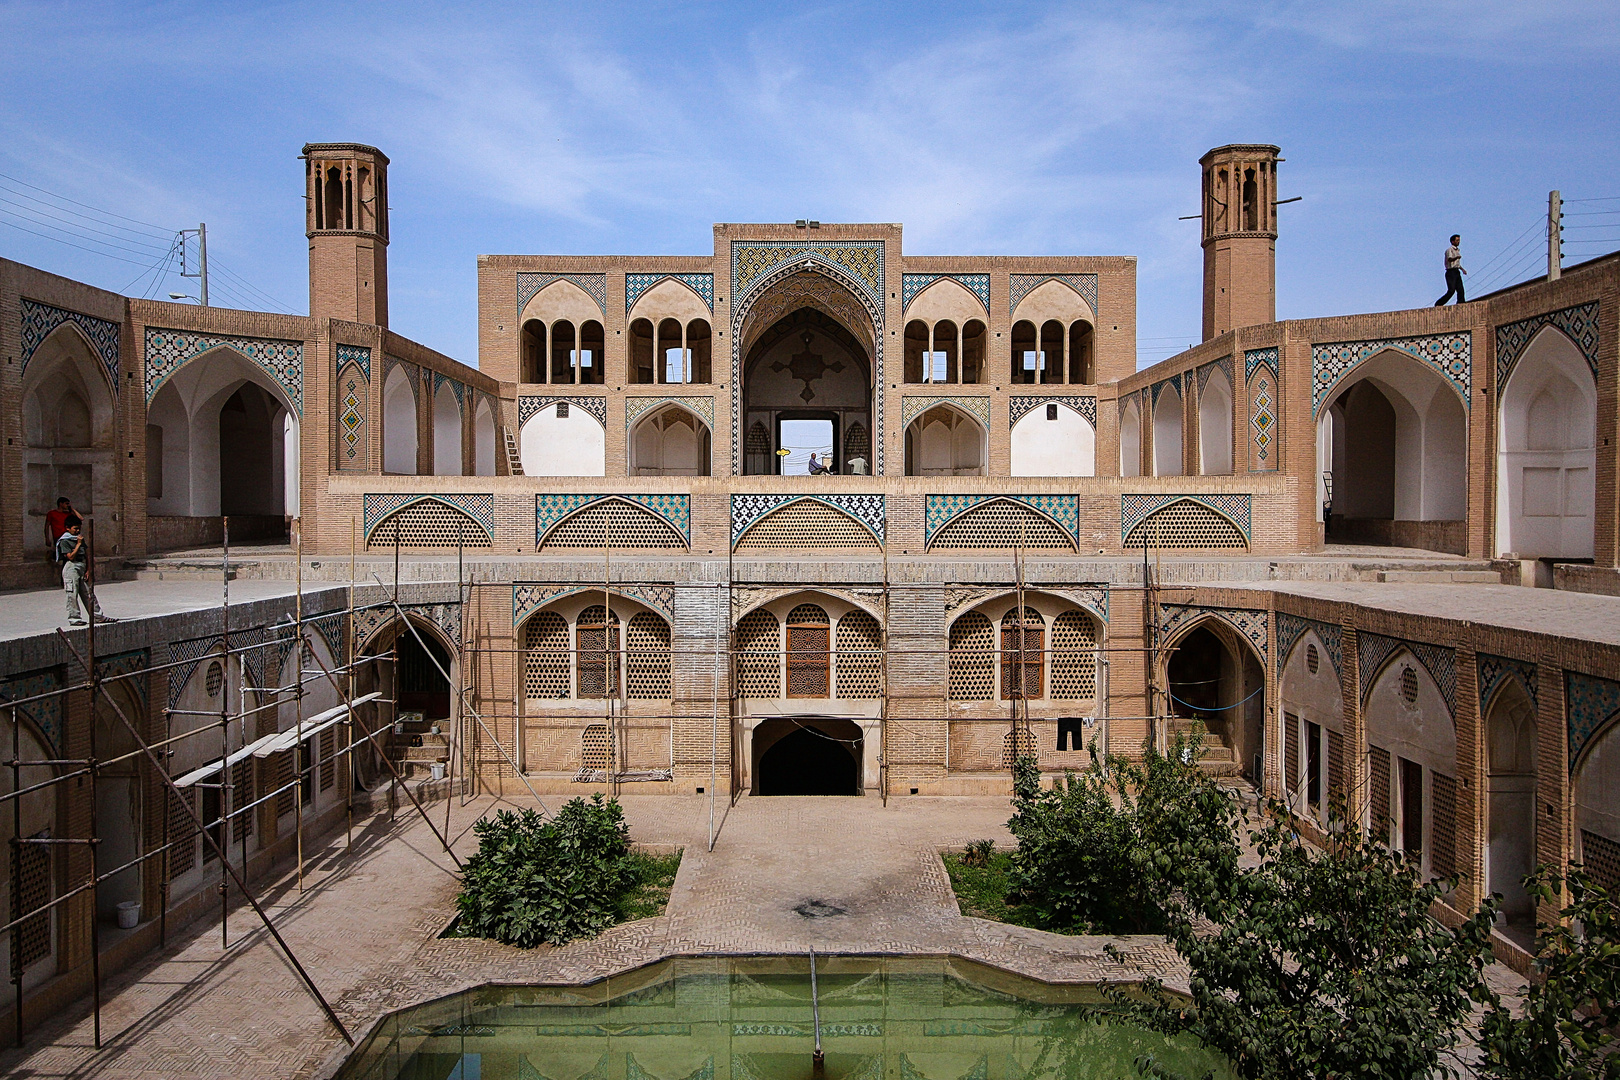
[(1240, 237), (346, 220)]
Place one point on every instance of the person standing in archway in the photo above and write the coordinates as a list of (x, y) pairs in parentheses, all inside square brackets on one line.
[(1454, 273), (56, 521)]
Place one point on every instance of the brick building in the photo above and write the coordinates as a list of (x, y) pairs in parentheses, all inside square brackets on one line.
[(1298, 537)]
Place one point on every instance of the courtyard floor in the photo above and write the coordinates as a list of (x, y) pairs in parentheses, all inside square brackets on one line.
[(367, 923)]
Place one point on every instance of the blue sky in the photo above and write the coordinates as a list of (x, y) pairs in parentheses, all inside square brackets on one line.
[(986, 128)]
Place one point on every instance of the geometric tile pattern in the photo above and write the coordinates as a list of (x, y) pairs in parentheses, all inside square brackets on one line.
[(1262, 374), (355, 354), (529, 596), (1158, 387), (702, 406), (369, 621), (1062, 510), (1246, 621), (1133, 508), (528, 406), (111, 667), (912, 407), (167, 350), (1493, 671), (748, 509), (551, 508), (912, 284), (860, 260), (1205, 371), (1024, 284), (354, 386), (38, 320), (529, 283), (636, 284), (1020, 406), (47, 713), (1452, 355), (1579, 324), (1374, 650), (1253, 358), (1589, 702), (378, 507), (459, 389), (183, 658), (1290, 628)]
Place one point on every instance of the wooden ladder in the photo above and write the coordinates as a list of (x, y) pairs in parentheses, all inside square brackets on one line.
[(514, 460)]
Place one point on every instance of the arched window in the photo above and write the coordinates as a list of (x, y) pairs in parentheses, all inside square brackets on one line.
[(973, 366), (860, 656), (1167, 422), (672, 359), (646, 657), (1215, 425), (596, 639), (545, 656), (484, 439), (669, 441), (1074, 657), (699, 348), (808, 631), (589, 366), (916, 346), (1027, 361), (532, 345), (1130, 441), (641, 352), (334, 201), (1053, 339), (1023, 653), (564, 344), (399, 423), (972, 670), (759, 655), (1082, 353), (945, 442), (447, 432)]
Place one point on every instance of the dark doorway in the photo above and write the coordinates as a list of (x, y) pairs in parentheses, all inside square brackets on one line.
[(1216, 688), (809, 760), (421, 687)]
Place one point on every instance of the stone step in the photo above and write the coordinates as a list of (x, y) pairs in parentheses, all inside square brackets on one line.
[(420, 753), (1441, 577)]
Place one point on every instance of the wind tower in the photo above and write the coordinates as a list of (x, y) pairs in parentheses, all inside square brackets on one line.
[(1240, 236), (346, 220)]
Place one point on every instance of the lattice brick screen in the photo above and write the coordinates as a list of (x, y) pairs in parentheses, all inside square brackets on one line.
[(1001, 524), (1335, 767), (1074, 657), (428, 524), (1378, 785), (242, 795), (596, 636), (972, 663), (759, 662), (1601, 857), (286, 770), (328, 762), (1022, 649), (860, 659), (1016, 744), (646, 660), (1186, 524), (1443, 827), (182, 834), (613, 523), (596, 747), (545, 657), (806, 524), (809, 634), (1291, 776), (31, 939)]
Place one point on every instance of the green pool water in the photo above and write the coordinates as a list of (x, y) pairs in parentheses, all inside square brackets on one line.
[(751, 1019)]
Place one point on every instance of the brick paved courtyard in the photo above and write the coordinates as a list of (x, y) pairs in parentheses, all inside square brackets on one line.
[(367, 928)]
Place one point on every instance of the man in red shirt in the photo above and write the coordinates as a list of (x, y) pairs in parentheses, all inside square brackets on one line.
[(56, 521)]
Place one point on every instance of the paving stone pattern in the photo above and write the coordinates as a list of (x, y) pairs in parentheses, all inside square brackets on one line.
[(366, 927)]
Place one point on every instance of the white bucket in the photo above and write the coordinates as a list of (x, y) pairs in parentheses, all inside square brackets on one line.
[(129, 914), (437, 768)]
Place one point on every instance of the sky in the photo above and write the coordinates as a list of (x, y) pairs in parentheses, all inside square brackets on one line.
[(999, 128)]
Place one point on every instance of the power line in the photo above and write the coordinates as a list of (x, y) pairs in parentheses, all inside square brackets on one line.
[(63, 198)]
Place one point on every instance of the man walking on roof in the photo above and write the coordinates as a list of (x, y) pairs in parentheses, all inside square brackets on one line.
[(1454, 274)]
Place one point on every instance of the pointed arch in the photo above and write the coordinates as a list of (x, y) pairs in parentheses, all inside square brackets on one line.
[(1168, 420), (611, 520), (670, 440), (399, 421), (1130, 439), (1003, 523), (563, 438), (1215, 424), (484, 438), (807, 522), (1187, 523), (447, 449), (1546, 452), (947, 440), (69, 431), (428, 521), (1054, 441)]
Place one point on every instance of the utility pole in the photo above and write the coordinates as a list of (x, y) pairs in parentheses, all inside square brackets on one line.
[(202, 260), (1555, 235)]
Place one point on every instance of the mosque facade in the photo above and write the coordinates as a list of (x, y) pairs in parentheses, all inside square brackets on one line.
[(1014, 543)]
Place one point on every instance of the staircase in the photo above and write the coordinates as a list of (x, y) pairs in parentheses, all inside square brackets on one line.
[(1219, 759), (414, 750), (514, 460)]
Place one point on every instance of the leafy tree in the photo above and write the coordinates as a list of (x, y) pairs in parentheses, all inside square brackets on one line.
[(1567, 1027), (534, 881), (1322, 964), (1113, 848)]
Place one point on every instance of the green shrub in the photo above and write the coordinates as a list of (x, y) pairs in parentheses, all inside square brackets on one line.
[(535, 881), (1110, 850)]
